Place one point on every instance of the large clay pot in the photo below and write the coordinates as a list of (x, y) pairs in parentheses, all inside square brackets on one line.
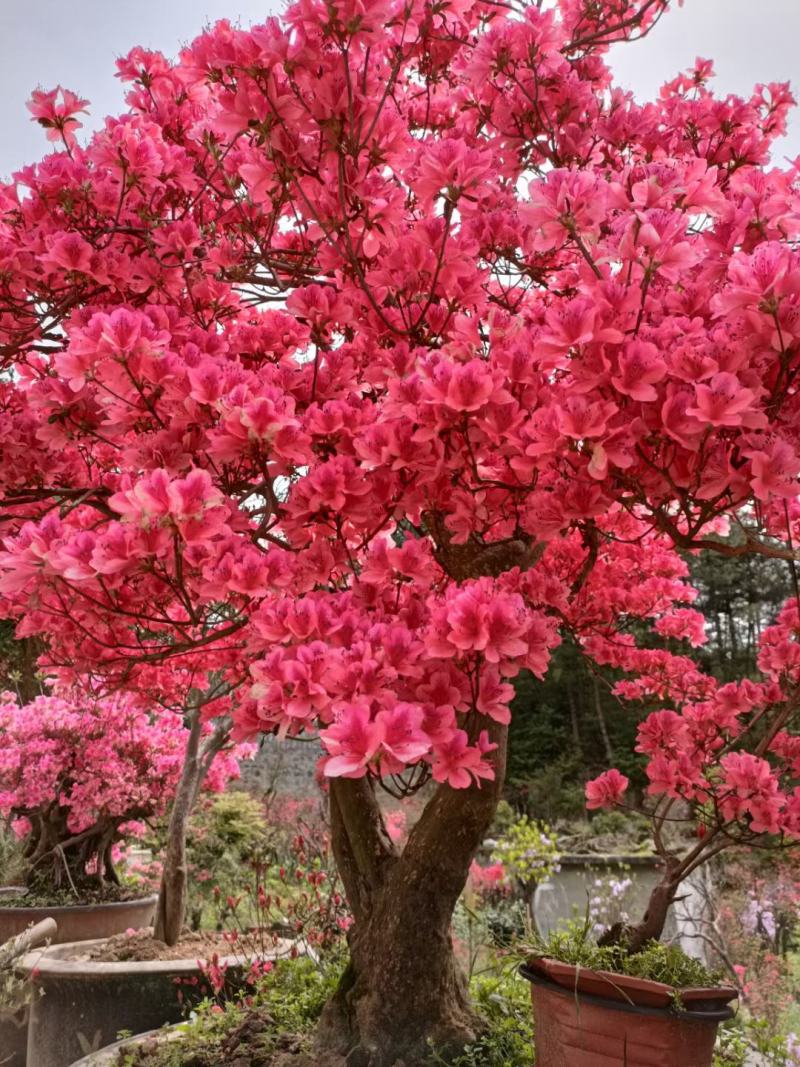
[(80, 922), (585, 1018), (86, 1003)]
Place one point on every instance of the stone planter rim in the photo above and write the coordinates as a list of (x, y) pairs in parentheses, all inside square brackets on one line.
[(104, 905), (603, 859), (50, 961), (164, 1035)]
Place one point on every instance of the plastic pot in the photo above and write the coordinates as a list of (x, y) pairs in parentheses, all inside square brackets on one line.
[(86, 1003), (80, 922), (585, 1018)]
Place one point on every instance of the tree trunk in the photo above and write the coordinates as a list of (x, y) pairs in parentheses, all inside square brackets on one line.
[(403, 989), (173, 895), (173, 891), (651, 926), (601, 722)]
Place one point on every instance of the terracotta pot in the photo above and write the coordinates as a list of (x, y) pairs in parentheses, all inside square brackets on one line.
[(86, 1003), (575, 1025), (79, 922)]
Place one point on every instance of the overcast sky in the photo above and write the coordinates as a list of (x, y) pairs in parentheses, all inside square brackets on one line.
[(75, 42)]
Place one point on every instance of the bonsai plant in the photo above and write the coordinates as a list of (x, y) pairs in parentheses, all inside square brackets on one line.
[(77, 776), (723, 764)]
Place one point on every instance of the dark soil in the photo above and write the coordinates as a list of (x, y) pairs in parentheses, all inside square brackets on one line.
[(142, 947)]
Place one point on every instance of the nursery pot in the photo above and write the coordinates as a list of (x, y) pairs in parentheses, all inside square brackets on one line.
[(585, 1018), (78, 922), (78, 1006)]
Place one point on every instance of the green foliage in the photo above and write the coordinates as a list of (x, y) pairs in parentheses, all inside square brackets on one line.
[(528, 851), (739, 596), (627, 824), (656, 961), (287, 1000), (295, 991), (12, 862), (563, 731), (742, 1038), (227, 831), (503, 1004)]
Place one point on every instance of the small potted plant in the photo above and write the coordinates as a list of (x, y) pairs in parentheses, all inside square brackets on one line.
[(723, 766)]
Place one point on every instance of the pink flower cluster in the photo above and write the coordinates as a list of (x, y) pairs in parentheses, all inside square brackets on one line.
[(92, 761), (730, 750)]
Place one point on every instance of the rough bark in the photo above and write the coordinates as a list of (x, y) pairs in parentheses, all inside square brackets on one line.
[(651, 926), (403, 987), (173, 890)]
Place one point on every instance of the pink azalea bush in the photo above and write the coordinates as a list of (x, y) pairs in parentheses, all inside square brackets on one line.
[(78, 775), (365, 355)]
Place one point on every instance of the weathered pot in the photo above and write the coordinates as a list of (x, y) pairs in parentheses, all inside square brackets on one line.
[(80, 922), (14, 1025), (86, 1003), (14, 1038), (107, 1056), (585, 1018)]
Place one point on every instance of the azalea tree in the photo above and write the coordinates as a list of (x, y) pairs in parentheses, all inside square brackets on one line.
[(371, 350), (723, 761), (79, 775)]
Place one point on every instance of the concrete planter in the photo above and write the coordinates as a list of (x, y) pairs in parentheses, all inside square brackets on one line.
[(108, 1055), (78, 922), (86, 1003), (14, 1038), (14, 1025)]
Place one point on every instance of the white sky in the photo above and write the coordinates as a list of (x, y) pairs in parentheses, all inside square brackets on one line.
[(75, 42)]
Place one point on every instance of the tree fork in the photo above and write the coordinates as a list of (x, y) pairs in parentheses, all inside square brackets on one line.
[(403, 989)]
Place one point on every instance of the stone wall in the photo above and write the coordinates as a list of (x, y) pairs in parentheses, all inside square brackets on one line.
[(283, 767)]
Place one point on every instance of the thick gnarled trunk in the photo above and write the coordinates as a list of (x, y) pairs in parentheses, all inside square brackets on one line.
[(404, 989)]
